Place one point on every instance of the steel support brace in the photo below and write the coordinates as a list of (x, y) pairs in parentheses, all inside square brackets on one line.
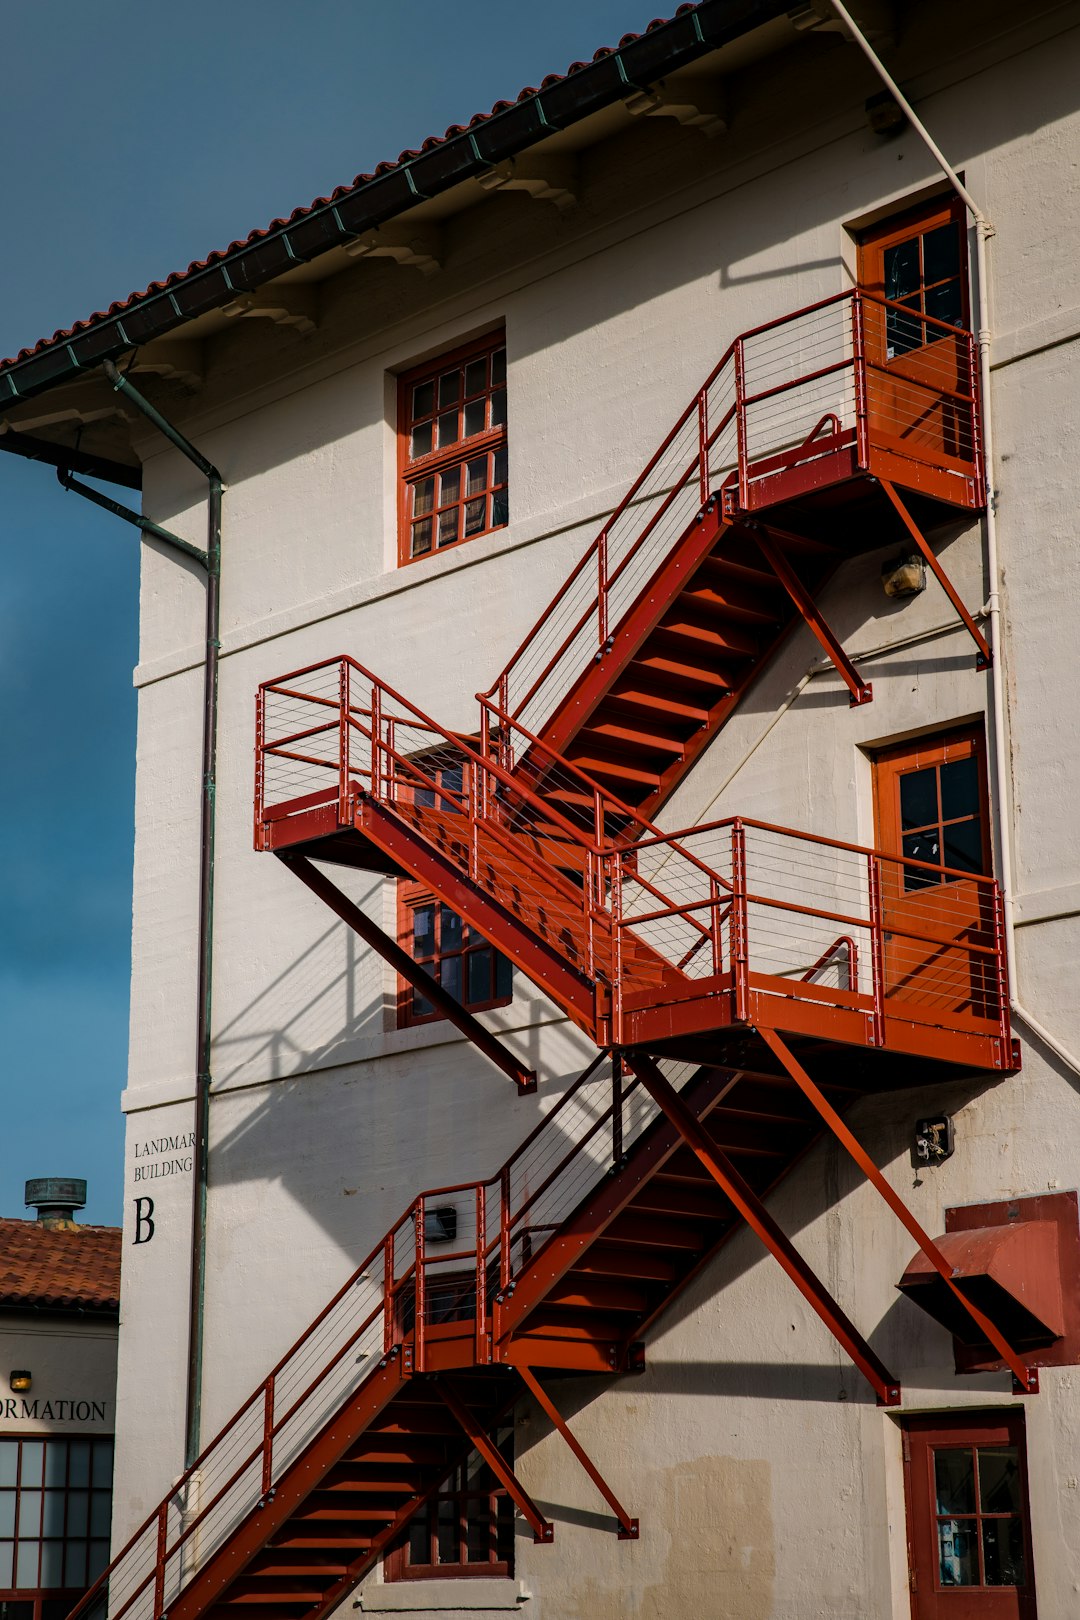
[(861, 691), (1026, 1378), (370, 932), (985, 657), (757, 1217), (542, 1529), (628, 1527)]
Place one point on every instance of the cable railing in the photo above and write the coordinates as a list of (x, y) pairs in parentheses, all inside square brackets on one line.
[(853, 376), (447, 1268)]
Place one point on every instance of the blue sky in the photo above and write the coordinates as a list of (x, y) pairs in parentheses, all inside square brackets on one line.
[(138, 136)]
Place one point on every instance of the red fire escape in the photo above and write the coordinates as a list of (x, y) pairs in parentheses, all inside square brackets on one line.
[(743, 983)]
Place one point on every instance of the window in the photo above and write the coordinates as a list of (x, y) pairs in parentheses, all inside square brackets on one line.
[(931, 805), (462, 960), (452, 448), (55, 1508), (918, 261), (467, 1528), (969, 1535)]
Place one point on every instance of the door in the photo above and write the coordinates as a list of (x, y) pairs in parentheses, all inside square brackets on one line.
[(969, 1533), (914, 267), (933, 826)]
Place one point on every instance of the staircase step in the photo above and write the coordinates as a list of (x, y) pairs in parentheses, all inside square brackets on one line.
[(288, 1566), (648, 1232), (659, 669), (615, 768), (300, 1537), (615, 734), (712, 635), (750, 605), (643, 698), (585, 1293), (609, 1260), (662, 1197)]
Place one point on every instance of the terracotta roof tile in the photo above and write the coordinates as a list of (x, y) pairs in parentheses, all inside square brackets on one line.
[(52, 1269)]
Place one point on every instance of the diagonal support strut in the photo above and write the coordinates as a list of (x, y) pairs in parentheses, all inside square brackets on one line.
[(765, 539), (754, 1213), (359, 921), (985, 656), (543, 1530), (1027, 1378), (628, 1527)]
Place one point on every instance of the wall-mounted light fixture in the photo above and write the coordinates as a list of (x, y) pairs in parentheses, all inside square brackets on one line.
[(884, 114), (904, 576), (20, 1381), (440, 1225)]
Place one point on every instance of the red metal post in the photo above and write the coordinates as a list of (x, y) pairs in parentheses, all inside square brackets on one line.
[(601, 592), (1027, 1378), (616, 949), (858, 348), (749, 1206), (1001, 977), (715, 928), (260, 765), (388, 1293), (703, 444), (740, 923), (160, 1560), (616, 1108), (504, 1228), (419, 1285), (343, 737), (542, 1529), (740, 421), (376, 742), (877, 947), (268, 1435), (483, 1350), (628, 1527)]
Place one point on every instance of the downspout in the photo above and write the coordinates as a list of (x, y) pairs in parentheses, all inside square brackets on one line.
[(206, 903), (995, 629)]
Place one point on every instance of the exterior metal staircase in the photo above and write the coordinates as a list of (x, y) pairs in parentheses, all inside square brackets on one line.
[(743, 983)]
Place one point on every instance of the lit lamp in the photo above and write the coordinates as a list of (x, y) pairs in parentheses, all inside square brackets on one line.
[(20, 1381)]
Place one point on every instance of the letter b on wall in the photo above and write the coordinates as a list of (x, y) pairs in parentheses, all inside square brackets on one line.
[(144, 1220)]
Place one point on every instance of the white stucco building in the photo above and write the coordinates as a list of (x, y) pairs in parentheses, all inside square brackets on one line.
[(838, 1031)]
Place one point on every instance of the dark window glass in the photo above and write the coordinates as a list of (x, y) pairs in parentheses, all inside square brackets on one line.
[(468, 1528), (918, 798), (52, 1539), (443, 417)]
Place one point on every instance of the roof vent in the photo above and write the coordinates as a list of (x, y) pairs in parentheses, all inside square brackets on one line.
[(56, 1198)]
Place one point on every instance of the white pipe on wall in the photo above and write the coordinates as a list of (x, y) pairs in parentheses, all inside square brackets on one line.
[(1002, 764)]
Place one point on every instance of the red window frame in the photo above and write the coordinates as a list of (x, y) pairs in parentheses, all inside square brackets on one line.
[(918, 259), (988, 1542), (452, 449), (56, 1510), (898, 834), (470, 1513)]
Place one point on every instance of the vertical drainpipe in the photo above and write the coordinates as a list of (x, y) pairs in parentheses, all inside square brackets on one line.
[(203, 1079), (1002, 761)]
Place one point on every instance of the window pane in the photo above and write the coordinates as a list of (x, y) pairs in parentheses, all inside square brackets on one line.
[(9, 1462), (474, 515), (420, 1539), (423, 497), (941, 253), (423, 931), (78, 1512), (448, 526), (498, 407), (56, 1455), (475, 377), (957, 1561), (99, 1558), (447, 1533), (901, 265), (999, 1479), (918, 798), (450, 976), (26, 1563), (498, 367), (33, 1452), (103, 1461), (954, 1479), (75, 1563), (944, 303), (7, 1564), (29, 1513), (504, 976), (52, 1563), (500, 467), (448, 429), (449, 388), (959, 789), (421, 1006), (452, 778), (1003, 1552), (420, 444), (478, 1521), (449, 486), (421, 538), (962, 846), (423, 400), (479, 976), (500, 509), (475, 417), (52, 1521), (451, 930), (476, 476), (922, 847), (7, 1513)]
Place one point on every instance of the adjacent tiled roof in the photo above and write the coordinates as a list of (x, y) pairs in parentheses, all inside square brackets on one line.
[(439, 163), (43, 1268)]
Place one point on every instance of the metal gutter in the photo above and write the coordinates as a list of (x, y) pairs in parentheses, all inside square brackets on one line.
[(203, 1076), (442, 164)]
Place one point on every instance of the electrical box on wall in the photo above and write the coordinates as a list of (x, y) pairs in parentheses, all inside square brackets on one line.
[(1018, 1260)]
